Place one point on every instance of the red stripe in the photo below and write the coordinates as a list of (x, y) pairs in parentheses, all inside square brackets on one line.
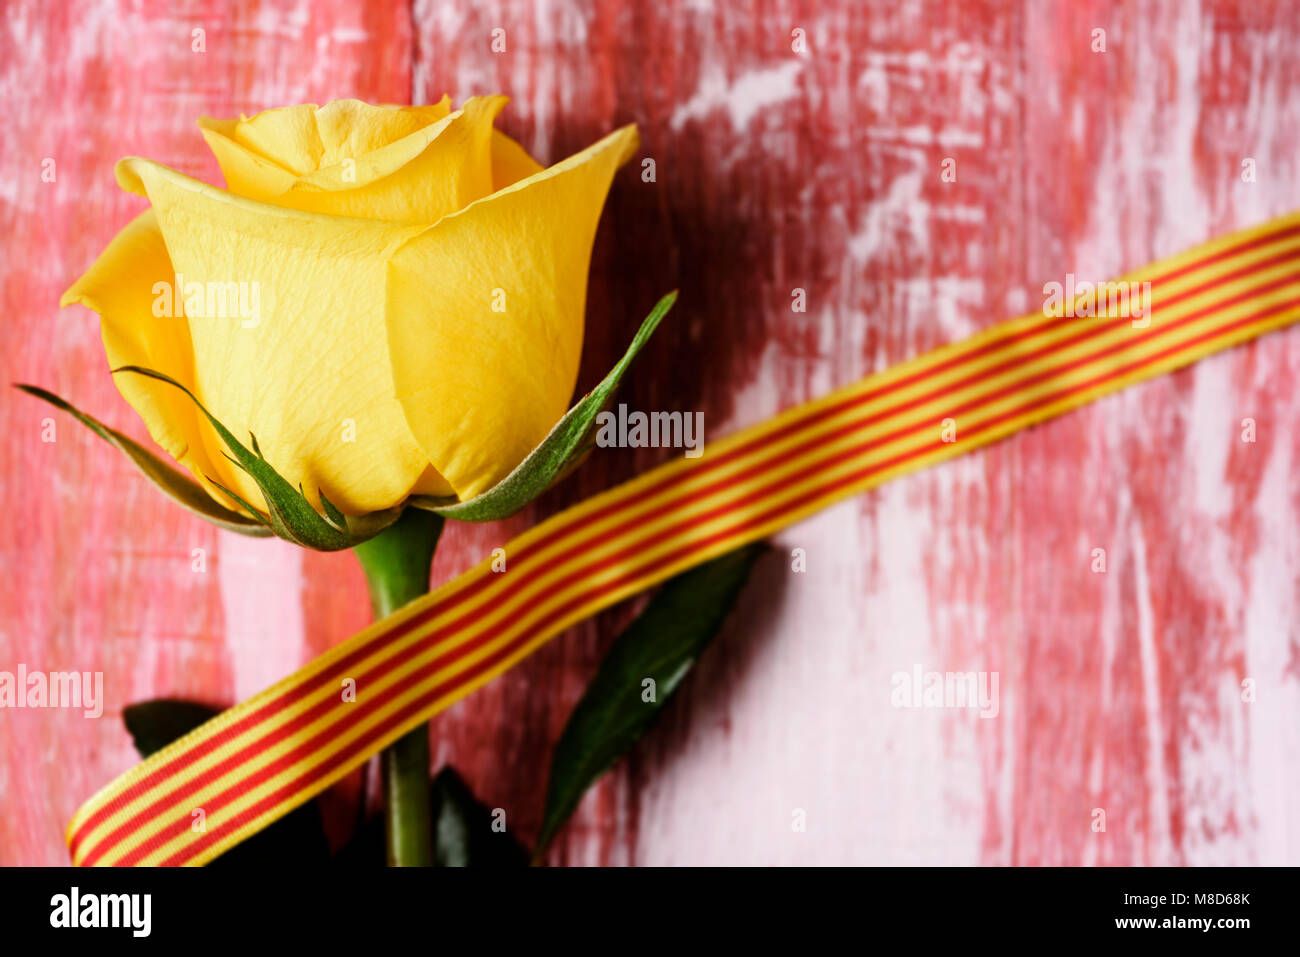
[(540, 628), (801, 424), (395, 661), (270, 708), (858, 424), (638, 548), (276, 736), (1259, 242)]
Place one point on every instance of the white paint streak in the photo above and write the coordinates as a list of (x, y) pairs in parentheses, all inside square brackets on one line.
[(1215, 428), (743, 98), (1272, 754), (1183, 203), (261, 597), (848, 726), (1108, 630), (1159, 843), (925, 136), (900, 209)]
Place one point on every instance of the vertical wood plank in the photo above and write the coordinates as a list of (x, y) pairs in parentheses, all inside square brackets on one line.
[(775, 171), (102, 573), (822, 172)]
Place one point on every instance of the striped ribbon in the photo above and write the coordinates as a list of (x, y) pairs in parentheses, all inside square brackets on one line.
[(257, 761)]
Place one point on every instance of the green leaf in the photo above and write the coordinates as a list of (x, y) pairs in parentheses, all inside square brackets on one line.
[(662, 644), (289, 512), (568, 441), (463, 832), (179, 487), (295, 839)]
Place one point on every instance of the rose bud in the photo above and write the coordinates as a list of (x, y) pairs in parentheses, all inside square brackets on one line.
[(387, 304)]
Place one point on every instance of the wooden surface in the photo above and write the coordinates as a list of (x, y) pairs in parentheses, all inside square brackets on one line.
[(775, 171)]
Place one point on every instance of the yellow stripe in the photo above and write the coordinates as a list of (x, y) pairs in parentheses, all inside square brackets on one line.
[(520, 608)]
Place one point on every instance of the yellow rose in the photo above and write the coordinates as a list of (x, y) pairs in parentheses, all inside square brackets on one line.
[(390, 299)]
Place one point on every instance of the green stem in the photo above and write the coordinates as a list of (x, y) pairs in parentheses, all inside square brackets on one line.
[(396, 563)]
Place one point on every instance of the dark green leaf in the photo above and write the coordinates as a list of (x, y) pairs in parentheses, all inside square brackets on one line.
[(565, 444), (290, 514), (179, 487), (295, 839), (155, 724), (662, 644)]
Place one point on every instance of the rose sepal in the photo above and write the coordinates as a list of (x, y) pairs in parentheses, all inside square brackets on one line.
[(177, 486), (289, 513)]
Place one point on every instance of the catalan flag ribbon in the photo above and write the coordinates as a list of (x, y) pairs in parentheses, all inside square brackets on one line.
[(257, 761)]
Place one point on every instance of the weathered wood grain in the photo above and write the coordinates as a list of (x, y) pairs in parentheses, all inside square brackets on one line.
[(100, 569), (774, 171)]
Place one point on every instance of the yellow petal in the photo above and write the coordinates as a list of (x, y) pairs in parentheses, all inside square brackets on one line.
[(287, 135), (480, 387), (247, 173), (417, 178), (302, 360), (351, 128), (128, 286), (304, 138), (510, 162)]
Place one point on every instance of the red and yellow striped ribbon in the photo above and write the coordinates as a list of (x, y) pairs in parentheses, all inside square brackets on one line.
[(257, 761)]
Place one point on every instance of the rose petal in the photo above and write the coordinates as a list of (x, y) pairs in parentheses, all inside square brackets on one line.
[(247, 172), (351, 128), (418, 178), (308, 370), (510, 162), (121, 287), (286, 135), (480, 388), (303, 138)]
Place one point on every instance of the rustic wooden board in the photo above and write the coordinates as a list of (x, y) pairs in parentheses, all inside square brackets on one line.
[(775, 171)]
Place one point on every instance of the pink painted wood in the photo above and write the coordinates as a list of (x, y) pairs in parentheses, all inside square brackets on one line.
[(775, 171)]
